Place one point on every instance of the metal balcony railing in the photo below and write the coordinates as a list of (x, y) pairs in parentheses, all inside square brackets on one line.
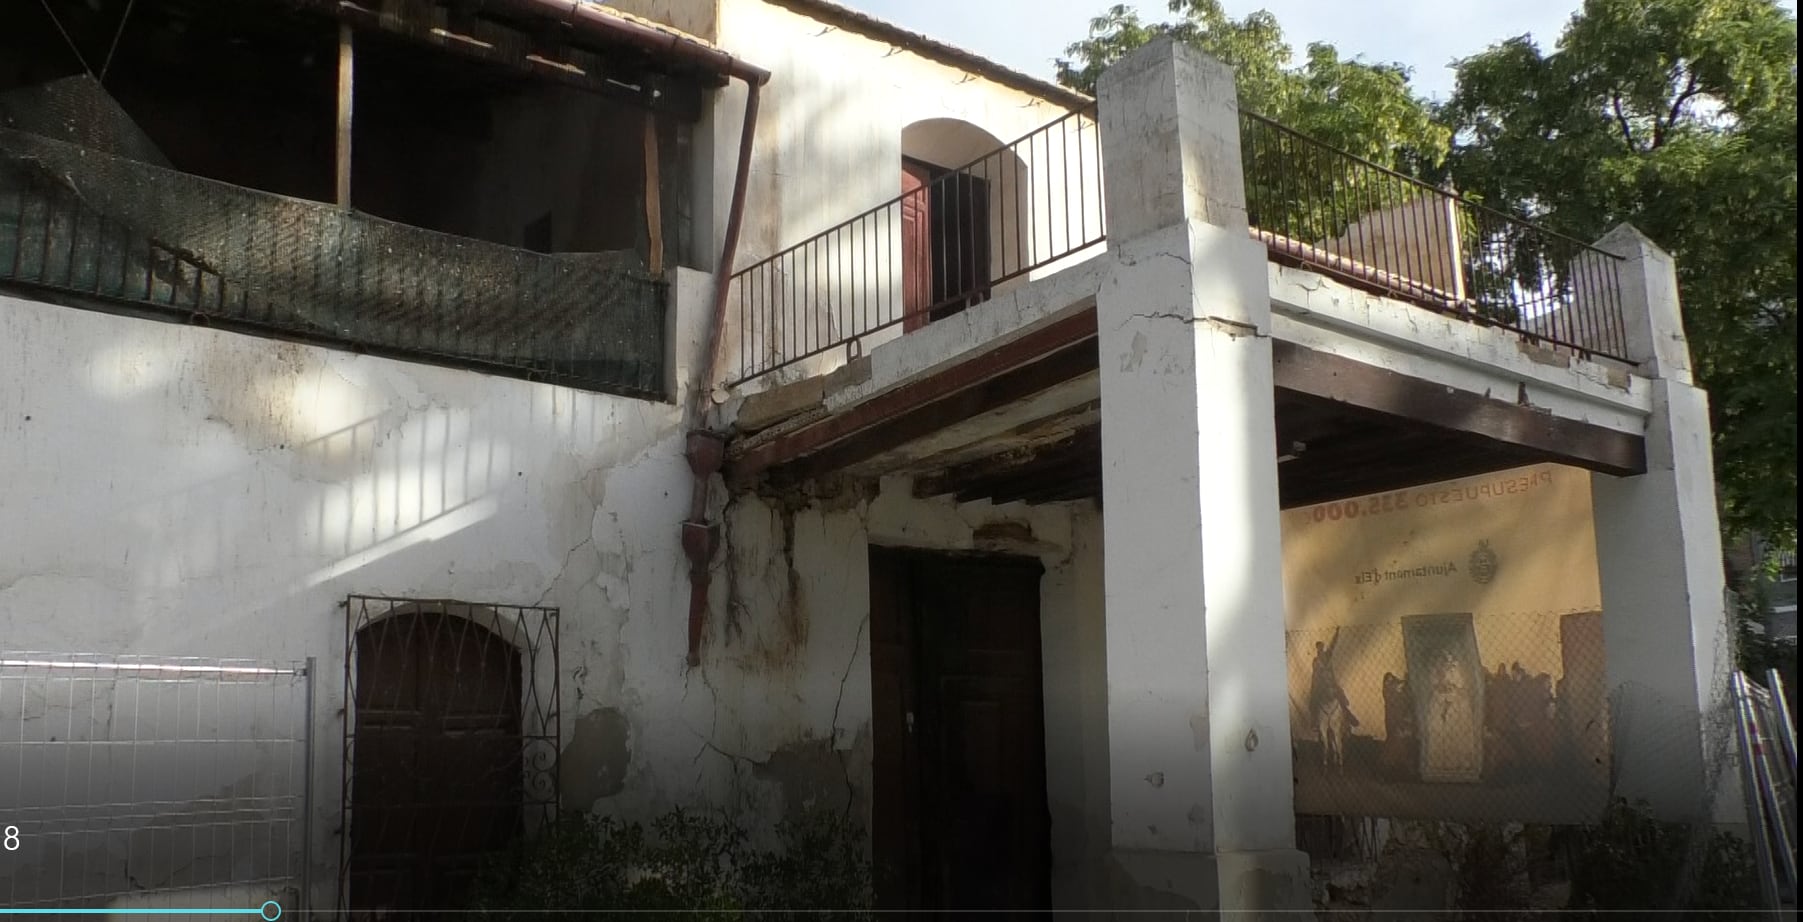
[(81, 222), (949, 243), (927, 253), (1336, 213)]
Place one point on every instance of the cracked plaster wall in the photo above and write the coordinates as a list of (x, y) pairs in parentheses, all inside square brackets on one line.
[(179, 491), (777, 719), (172, 490)]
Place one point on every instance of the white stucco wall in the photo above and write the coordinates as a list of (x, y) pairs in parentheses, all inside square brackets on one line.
[(178, 491), (172, 490), (829, 146), (785, 678)]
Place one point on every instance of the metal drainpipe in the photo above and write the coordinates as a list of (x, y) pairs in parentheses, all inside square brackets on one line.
[(706, 447)]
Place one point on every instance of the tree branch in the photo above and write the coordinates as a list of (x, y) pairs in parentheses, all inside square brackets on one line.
[(1622, 120), (1671, 118)]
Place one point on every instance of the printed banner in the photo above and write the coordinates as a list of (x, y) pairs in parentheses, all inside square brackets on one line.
[(1446, 651)]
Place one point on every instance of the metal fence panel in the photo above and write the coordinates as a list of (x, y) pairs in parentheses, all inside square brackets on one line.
[(138, 782)]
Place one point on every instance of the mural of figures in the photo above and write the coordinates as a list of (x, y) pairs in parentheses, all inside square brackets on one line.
[(1329, 707), (1399, 753), (1496, 712), (1442, 653)]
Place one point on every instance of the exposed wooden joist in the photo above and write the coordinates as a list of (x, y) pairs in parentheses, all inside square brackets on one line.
[(347, 64), (1009, 472), (1016, 442), (622, 74), (1053, 480), (1367, 387), (654, 203), (1036, 360), (924, 419), (1077, 489), (1306, 487)]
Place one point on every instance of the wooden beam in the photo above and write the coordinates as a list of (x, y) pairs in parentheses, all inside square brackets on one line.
[(981, 477), (346, 71), (1051, 480), (654, 207), (891, 430), (1308, 486), (538, 50), (1368, 387), (932, 392), (1081, 488)]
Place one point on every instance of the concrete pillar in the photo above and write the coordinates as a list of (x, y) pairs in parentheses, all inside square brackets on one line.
[(1198, 704), (1648, 291), (1667, 632)]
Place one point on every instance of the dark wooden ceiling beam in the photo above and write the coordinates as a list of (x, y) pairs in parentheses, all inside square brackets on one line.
[(1018, 384), (1034, 362), (972, 477), (538, 50), (1050, 478), (1367, 387), (1087, 488), (1306, 487)]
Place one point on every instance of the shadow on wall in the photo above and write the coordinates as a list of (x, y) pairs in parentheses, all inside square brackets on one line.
[(188, 464)]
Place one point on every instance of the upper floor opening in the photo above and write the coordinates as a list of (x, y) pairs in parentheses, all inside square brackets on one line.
[(459, 182)]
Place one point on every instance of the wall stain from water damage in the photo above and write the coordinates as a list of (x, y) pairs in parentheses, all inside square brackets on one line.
[(594, 764), (764, 625), (813, 776)]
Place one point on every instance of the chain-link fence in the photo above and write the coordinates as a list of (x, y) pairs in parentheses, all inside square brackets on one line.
[(146, 783), (1467, 745)]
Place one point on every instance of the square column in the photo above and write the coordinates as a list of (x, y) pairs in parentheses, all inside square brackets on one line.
[(1201, 797), (1667, 633)]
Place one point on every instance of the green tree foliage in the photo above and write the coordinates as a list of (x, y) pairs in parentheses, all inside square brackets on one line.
[(1356, 106), (1680, 117)]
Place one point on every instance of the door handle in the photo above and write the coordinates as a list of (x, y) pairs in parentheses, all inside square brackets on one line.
[(910, 722)]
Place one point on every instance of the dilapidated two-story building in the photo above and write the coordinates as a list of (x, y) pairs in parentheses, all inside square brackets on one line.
[(419, 417)]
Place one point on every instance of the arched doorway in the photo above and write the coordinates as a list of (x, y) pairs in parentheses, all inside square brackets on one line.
[(961, 217), (437, 770)]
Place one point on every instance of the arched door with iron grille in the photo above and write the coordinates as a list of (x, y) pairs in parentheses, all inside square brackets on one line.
[(438, 756)]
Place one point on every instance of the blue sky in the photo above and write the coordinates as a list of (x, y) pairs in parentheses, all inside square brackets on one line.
[(1424, 35)]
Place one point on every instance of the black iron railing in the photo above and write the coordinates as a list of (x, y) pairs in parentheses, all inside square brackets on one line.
[(78, 221), (936, 249), (1337, 213)]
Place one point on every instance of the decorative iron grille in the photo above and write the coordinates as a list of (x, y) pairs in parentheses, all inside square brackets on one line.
[(77, 220), (451, 738)]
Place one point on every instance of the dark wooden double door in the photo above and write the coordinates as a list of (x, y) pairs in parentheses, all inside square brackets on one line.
[(436, 783), (959, 819)]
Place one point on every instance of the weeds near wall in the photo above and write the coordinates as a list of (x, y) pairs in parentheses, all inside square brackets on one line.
[(1625, 865), (1629, 860), (702, 866), (1626, 862)]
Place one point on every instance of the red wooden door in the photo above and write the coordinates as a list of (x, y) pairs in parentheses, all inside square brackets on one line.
[(917, 245), (960, 807)]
